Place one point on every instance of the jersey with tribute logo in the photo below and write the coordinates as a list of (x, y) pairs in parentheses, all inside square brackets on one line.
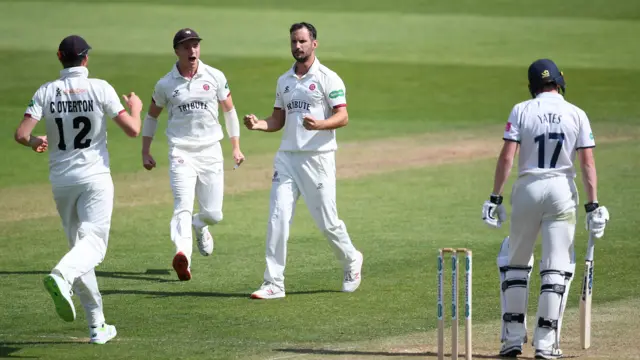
[(549, 130), (75, 109), (317, 93), (192, 105)]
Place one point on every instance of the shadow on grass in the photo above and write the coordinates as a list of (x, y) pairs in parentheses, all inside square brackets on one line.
[(5, 353), (329, 352), (126, 275), (202, 293), (8, 348)]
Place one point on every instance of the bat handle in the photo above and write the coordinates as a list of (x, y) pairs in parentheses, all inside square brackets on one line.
[(590, 248)]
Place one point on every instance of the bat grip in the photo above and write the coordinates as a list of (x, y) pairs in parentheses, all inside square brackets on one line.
[(590, 247)]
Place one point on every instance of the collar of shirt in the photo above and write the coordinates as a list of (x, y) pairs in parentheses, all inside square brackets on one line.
[(549, 95), (312, 70), (176, 73), (76, 71)]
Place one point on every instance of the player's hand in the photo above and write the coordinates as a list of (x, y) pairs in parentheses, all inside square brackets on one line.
[(493, 212), (39, 144), (238, 157), (310, 123), (133, 102), (597, 220), (148, 162), (251, 122)]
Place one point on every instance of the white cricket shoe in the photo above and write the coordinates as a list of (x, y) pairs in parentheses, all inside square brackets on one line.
[(353, 276), (268, 291), (548, 354), (205, 240), (60, 292), (101, 334)]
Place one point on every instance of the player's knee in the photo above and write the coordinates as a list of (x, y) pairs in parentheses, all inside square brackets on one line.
[(95, 236), (211, 217), (331, 230)]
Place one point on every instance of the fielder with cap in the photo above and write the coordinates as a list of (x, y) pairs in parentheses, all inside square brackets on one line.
[(191, 92), (75, 109), (549, 131)]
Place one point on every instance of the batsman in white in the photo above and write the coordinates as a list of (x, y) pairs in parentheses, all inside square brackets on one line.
[(75, 109), (192, 91), (310, 105), (549, 132)]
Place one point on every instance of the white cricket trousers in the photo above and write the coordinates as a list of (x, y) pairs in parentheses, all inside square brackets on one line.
[(195, 175), (547, 206), (85, 211), (312, 175)]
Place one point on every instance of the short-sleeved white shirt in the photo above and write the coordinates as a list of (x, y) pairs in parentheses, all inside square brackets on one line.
[(75, 109), (317, 92), (192, 105), (549, 130)]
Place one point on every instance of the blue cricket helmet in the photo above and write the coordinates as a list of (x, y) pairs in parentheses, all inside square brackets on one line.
[(543, 72)]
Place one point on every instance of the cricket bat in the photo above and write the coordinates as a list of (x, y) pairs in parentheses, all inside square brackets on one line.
[(585, 297)]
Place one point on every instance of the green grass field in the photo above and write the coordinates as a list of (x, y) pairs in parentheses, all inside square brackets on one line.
[(437, 77)]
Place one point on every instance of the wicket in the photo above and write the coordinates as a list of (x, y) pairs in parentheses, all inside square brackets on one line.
[(454, 302)]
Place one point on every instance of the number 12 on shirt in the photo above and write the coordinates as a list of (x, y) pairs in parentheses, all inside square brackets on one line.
[(79, 141)]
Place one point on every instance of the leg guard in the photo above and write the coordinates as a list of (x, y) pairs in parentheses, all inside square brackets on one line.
[(514, 295), (554, 291)]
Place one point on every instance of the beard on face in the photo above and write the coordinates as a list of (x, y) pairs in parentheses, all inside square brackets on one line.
[(300, 56)]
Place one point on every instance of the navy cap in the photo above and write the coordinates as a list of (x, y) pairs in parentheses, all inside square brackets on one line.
[(73, 47), (183, 35), (543, 72)]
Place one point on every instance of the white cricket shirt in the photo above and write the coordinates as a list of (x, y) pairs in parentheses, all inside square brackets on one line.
[(317, 92), (549, 130), (75, 109), (192, 105)]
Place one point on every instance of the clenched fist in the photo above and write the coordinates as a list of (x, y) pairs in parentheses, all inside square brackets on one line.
[(251, 122)]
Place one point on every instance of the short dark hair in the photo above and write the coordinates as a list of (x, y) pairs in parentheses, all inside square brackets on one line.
[(305, 25), (76, 61)]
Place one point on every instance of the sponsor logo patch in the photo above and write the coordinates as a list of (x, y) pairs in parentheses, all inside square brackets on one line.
[(336, 94)]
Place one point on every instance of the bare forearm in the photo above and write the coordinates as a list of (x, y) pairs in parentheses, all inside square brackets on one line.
[(26, 140), (503, 169), (146, 144), (23, 140), (270, 124), (235, 142), (590, 181), (336, 121)]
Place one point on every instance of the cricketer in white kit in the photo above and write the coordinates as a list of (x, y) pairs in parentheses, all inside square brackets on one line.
[(310, 105), (191, 92), (75, 109), (549, 131)]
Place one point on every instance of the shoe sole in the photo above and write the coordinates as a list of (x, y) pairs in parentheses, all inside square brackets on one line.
[(355, 288), (511, 353), (547, 357), (115, 332), (254, 296), (181, 266), (63, 307)]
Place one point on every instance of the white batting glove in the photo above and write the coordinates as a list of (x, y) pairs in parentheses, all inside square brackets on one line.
[(493, 213), (597, 217)]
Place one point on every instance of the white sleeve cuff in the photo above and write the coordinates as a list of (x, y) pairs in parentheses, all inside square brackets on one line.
[(231, 123), (149, 126)]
